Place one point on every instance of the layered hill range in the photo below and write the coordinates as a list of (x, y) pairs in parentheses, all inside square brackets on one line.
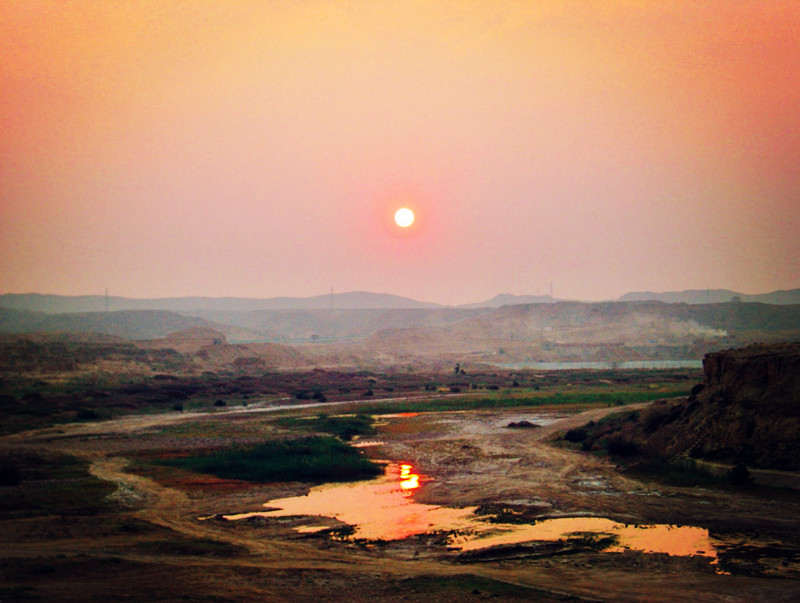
[(253, 340)]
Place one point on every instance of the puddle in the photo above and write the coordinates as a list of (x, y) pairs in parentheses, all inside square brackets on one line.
[(380, 509), (659, 538), (384, 509)]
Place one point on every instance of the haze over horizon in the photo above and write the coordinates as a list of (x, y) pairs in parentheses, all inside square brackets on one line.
[(251, 149)]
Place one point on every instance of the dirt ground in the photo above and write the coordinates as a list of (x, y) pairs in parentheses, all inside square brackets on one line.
[(151, 544)]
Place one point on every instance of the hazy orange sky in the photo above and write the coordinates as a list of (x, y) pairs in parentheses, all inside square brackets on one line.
[(260, 149)]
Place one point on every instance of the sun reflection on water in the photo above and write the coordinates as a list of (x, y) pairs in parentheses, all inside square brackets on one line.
[(408, 481), (384, 509)]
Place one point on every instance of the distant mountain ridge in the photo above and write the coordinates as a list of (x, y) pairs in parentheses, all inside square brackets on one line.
[(560, 322), (714, 296), (507, 299), (64, 304), (354, 300)]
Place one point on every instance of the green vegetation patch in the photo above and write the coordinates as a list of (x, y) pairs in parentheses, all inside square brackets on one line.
[(314, 459), (527, 399), (683, 473), (35, 484), (344, 427)]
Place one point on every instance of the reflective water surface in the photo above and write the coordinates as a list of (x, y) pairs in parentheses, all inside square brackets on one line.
[(384, 509), (379, 509), (659, 538)]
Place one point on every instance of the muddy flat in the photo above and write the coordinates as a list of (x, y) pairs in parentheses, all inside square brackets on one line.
[(162, 533)]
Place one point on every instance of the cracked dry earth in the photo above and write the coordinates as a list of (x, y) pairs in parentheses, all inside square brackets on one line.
[(152, 544)]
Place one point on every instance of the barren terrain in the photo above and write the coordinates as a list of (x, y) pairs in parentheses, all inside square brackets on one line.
[(148, 541)]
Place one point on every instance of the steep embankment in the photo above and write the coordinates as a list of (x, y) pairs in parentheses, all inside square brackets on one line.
[(747, 411)]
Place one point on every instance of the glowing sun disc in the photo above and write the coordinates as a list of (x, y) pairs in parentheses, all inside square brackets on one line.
[(404, 217)]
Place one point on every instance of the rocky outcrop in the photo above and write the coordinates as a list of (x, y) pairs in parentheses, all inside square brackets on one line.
[(747, 411)]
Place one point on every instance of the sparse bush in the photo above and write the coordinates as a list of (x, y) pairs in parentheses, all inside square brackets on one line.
[(86, 414), (346, 427), (654, 418), (576, 435), (620, 446), (220, 402), (314, 459), (177, 407)]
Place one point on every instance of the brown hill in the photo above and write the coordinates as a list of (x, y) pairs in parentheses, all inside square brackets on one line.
[(249, 358), (207, 349), (187, 341), (565, 331)]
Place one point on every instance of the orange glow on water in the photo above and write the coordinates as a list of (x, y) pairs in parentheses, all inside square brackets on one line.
[(669, 539), (409, 481), (384, 509)]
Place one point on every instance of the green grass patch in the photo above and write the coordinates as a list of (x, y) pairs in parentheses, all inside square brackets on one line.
[(344, 427), (527, 399), (316, 459), (53, 484), (686, 473)]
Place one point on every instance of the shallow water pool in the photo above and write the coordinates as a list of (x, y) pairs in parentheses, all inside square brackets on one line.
[(384, 509)]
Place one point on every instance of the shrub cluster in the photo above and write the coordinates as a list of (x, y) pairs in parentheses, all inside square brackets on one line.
[(315, 459)]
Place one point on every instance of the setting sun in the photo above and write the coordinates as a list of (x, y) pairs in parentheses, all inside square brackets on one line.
[(404, 217)]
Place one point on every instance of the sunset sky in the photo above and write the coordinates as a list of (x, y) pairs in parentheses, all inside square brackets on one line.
[(260, 149)]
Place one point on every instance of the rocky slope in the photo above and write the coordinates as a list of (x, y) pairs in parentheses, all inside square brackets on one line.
[(746, 411)]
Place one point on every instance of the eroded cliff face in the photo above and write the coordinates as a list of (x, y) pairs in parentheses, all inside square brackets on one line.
[(748, 411), (763, 377)]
